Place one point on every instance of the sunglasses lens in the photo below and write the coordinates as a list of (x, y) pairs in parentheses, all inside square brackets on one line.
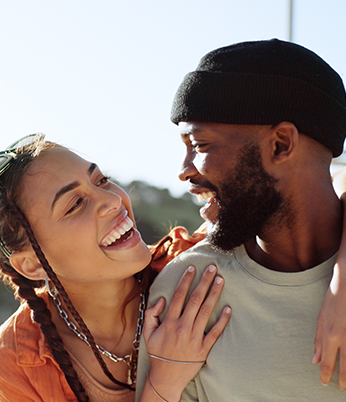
[(29, 139), (5, 159), (7, 156)]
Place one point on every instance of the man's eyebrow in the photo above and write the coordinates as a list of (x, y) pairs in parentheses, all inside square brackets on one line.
[(192, 130), (71, 186)]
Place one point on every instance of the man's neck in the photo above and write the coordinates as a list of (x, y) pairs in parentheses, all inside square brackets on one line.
[(311, 239)]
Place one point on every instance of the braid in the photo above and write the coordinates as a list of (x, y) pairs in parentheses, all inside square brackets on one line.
[(42, 316), (52, 276)]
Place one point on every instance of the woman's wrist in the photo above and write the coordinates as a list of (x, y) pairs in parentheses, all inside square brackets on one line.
[(163, 392)]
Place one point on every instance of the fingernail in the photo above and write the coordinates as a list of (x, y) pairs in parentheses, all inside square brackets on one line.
[(191, 269), (219, 280), (211, 268)]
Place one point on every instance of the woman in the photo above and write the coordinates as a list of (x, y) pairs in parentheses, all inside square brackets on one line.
[(70, 248)]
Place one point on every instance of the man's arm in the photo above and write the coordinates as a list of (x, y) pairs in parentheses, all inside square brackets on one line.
[(331, 327)]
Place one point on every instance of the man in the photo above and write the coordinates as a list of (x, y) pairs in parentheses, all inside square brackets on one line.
[(261, 122)]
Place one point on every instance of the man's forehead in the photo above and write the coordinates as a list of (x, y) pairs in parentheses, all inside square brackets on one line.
[(198, 127), (188, 127), (195, 127)]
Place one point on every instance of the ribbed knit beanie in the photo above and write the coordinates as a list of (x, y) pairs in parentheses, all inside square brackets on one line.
[(266, 82)]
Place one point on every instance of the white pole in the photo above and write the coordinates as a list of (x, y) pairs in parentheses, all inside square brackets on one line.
[(290, 34)]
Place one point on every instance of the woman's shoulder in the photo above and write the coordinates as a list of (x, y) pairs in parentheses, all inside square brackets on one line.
[(20, 336), (8, 347), (27, 368), (8, 328)]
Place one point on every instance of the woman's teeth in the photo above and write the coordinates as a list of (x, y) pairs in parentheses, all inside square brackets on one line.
[(117, 232), (204, 196)]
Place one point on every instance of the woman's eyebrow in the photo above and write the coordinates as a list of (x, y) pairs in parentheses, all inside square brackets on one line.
[(71, 186), (92, 167)]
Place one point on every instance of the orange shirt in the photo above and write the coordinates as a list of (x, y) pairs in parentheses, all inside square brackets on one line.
[(178, 240), (28, 371)]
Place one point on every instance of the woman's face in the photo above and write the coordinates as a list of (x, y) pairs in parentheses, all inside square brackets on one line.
[(82, 222)]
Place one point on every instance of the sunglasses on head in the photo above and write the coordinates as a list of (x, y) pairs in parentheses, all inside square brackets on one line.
[(6, 159), (7, 156)]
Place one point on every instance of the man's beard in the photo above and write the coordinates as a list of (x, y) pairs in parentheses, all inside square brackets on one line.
[(247, 202)]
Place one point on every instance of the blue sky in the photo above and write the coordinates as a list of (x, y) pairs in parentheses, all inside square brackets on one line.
[(100, 76)]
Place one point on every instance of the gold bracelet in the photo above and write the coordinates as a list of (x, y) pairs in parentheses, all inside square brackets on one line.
[(175, 361)]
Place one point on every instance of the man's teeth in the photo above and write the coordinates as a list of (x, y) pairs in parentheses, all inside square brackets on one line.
[(204, 196), (117, 232)]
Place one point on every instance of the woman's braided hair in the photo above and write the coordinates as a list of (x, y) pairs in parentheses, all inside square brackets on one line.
[(15, 231)]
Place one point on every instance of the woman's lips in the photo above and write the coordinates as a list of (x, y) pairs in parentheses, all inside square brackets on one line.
[(120, 232), (127, 241)]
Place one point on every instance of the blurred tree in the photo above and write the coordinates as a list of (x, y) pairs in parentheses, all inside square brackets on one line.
[(8, 304), (156, 211)]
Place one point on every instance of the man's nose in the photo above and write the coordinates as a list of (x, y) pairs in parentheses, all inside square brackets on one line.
[(188, 169)]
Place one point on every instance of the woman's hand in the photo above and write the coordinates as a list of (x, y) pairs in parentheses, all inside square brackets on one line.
[(180, 337)]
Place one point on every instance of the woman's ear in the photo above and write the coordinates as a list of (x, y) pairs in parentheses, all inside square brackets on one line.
[(284, 141), (27, 264)]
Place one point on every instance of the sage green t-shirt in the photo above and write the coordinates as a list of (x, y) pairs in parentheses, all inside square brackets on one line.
[(265, 352)]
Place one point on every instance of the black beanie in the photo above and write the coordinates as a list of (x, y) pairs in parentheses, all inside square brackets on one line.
[(266, 82)]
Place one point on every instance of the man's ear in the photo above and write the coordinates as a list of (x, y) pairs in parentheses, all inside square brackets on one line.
[(27, 264), (284, 141)]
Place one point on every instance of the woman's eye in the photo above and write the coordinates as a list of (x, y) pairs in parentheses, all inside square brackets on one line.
[(75, 206), (104, 180)]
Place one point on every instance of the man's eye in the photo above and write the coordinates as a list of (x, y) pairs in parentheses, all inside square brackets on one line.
[(198, 147), (75, 206)]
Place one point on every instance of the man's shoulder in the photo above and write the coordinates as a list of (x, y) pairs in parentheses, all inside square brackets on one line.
[(197, 256), (200, 256)]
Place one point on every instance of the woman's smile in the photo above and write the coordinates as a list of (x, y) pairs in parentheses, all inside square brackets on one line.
[(118, 232)]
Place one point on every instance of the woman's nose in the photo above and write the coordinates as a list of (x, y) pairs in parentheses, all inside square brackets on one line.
[(110, 204)]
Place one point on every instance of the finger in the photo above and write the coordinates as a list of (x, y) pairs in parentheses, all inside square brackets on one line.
[(328, 360), (217, 329), (318, 340), (208, 305), (198, 296), (342, 370), (177, 302), (151, 322)]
